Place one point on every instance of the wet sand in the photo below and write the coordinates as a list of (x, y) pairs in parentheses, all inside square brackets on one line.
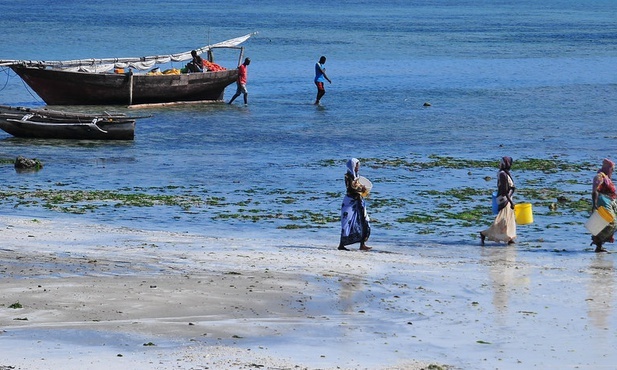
[(80, 296)]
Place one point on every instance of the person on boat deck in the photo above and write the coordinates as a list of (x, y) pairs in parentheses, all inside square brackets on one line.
[(320, 78), (603, 194), (503, 228), (197, 64), (355, 226), (241, 82)]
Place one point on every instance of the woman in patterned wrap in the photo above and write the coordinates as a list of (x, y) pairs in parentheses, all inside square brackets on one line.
[(603, 195), (355, 225)]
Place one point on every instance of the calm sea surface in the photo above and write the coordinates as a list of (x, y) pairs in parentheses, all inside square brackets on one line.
[(528, 79)]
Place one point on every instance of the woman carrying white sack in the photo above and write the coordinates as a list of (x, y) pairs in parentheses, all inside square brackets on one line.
[(503, 228)]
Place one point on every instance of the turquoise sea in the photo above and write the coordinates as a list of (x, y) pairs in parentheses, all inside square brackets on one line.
[(532, 80)]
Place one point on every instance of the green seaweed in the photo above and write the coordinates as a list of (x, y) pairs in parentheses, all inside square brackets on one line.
[(461, 194), (464, 206), (447, 162), (16, 305), (475, 214), (418, 219)]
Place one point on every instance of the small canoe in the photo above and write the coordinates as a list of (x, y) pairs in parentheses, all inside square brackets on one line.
[(97, 129), (50, 124)]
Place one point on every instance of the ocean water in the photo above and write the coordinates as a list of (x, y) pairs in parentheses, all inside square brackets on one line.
[(528, 79)]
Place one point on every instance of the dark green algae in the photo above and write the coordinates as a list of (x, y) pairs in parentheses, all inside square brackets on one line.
[(548, 165), (464, 206)]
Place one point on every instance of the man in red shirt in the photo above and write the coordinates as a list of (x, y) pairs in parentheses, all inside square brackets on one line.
[(242, 76)]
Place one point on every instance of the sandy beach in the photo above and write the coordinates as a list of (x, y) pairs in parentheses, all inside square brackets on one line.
[(78, 296), (94, 297)]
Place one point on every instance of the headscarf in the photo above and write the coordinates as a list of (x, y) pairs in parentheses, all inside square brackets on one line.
[(602, 181), (351, 167), (607, 166), (504, 164)]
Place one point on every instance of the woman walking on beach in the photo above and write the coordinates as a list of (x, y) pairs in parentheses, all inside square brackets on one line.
[(603, 194), (503, 228), (355, 225)]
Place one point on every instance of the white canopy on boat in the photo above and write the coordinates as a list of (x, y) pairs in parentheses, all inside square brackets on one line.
[(141, 63)]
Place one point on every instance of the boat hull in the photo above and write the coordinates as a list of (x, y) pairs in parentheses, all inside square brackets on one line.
[(52, 124), (57, 87), (105, 130)]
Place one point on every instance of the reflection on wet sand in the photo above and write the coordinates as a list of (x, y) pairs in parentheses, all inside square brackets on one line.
[(502, 270), (349, 286), (601, 290)]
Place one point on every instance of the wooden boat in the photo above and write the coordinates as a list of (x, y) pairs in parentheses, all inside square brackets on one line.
[(103, 81), (58, 87), (48, 124)]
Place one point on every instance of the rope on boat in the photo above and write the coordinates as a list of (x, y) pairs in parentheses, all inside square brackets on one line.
[(93, 124), (7, 71)]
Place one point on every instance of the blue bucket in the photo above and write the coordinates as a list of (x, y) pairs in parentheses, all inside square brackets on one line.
[(495, 205)]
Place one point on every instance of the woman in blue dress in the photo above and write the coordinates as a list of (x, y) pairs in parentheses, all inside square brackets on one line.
[(355, 226)]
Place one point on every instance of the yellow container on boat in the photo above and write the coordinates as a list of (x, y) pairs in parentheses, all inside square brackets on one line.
[(523, 213), (600, 218), (119, 70)]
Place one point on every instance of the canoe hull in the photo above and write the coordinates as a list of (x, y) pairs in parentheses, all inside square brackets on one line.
[(53, 124), (57, 87), (104, 130)]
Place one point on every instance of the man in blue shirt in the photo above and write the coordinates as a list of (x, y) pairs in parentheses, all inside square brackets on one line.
[(320, 78)]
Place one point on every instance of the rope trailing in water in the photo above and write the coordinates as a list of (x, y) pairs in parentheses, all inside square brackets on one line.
[(7, 71)]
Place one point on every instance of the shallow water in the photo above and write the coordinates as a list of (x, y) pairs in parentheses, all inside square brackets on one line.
[(527, 80)]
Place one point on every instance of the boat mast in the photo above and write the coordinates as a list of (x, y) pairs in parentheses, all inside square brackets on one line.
[(241, 55)]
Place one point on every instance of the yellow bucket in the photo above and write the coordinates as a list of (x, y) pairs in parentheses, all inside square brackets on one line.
[(523, 213), (600, 218)]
